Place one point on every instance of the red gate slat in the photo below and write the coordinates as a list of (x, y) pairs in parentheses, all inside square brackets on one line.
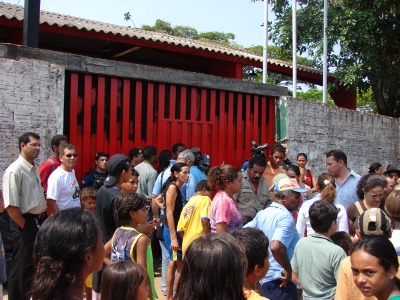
[(113, 116), (185, 129), (256, 112), (221, 130), (240, 131), (138, 115), (125, 116), (151, 135), (101, 147), (248, 127), (193, 113), (203, 119), (211, 144), (162, 124), (175, 136), (73, 118), (264, 120), (231, 136), (271, 127), (84, 145)]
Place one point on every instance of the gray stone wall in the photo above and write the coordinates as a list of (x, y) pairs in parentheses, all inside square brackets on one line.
[(314, 129), (31, 99)]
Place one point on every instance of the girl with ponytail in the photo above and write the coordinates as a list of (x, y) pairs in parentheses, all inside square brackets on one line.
[(327, 192)]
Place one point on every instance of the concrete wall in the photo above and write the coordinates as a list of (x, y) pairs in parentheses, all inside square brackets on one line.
[(31, 99), (314, 129)]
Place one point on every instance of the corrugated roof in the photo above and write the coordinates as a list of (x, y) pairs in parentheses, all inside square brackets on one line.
[(11, 11)]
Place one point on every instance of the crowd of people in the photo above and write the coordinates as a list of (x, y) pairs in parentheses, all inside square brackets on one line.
[(274, 230)]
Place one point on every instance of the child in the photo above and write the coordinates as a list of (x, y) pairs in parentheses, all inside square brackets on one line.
[(256, 247), (88, 199), (124, 280), (194, 221), (132, 185), (127, 243)]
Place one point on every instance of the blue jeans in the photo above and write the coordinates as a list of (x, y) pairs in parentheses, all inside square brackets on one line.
[(164, 266), (272, 290)]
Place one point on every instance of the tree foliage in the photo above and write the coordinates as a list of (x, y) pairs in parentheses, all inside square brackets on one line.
[(368, 35)]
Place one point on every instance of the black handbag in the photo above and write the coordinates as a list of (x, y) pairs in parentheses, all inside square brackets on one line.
[(160, 227)]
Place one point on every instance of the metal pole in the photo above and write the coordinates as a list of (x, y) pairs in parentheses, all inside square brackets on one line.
[(31, 23), (265, 48), (325, 57), (294, 37)]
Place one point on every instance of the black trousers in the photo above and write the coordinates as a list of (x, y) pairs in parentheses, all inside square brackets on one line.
[(22, 268)]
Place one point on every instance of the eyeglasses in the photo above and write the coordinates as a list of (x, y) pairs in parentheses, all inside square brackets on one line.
[(71, 155)]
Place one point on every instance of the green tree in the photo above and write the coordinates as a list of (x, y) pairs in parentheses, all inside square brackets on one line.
[(367, 33)]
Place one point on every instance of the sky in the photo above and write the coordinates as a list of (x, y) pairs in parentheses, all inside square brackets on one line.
[(240, 17)]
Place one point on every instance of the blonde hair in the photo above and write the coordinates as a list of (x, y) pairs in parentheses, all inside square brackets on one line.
[(327, 186)]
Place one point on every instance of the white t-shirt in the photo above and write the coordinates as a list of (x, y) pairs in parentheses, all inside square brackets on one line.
[(395, 239), (63, 187)]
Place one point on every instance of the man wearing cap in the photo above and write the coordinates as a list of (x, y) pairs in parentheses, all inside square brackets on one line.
[(53, 162), (62, 186), (372, 222), (278, 225), (254, 195), (119, 171), (346, 179), (136, 156), (393, 173), (97, 177), (25, 204)]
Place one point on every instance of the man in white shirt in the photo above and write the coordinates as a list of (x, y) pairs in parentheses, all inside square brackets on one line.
[(62, 186)]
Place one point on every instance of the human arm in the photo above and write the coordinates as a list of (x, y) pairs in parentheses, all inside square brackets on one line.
[(301, 224), (107, 253), (314, 182), (295, 278), (221, 227), (280, 254), (52, 205), (171, 196), (16, 215)]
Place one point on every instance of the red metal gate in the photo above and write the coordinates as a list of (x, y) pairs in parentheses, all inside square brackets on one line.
[(112, 115)]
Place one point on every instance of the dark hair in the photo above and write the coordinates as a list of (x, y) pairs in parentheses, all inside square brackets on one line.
[(218, 176), (202, 184), (121, 279), (256, 246), (89, 192), (302, 154), (337, 155), (295, 169), (380, 247), (149, 151), (25, 138), (101, 154), (126, 203), (258, 161), (368, 182), (373, 167), (208, 260), (66, 147), (57, 139), (164, 158), (134, 172), (322, 214), (177, 167), (176, 146), (278, 148), (343, 240), (61, 245), (328, 191)]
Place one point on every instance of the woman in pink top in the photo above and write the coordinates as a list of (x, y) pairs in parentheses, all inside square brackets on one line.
[(224, 214)]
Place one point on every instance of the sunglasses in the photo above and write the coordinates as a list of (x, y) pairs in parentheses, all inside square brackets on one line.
[(71, 155)]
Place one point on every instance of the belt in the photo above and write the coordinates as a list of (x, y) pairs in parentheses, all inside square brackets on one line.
[(36, 216)]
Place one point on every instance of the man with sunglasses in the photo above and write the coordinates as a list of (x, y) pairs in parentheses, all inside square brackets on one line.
[(25, 204), (62, 186)]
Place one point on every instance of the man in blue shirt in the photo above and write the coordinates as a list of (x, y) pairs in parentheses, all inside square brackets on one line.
[(277, 223), (346, 180)]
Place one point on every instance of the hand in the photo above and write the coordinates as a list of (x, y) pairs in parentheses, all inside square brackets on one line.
[(147, 228), (175, 245), (285, 277), (156, 222)]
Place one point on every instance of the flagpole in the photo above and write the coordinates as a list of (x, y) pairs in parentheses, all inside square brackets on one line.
[(325, 55), (265, 48), (294, 46)]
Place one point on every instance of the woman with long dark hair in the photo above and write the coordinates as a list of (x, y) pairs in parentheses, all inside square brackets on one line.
[(173, 207), (68, 248)]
